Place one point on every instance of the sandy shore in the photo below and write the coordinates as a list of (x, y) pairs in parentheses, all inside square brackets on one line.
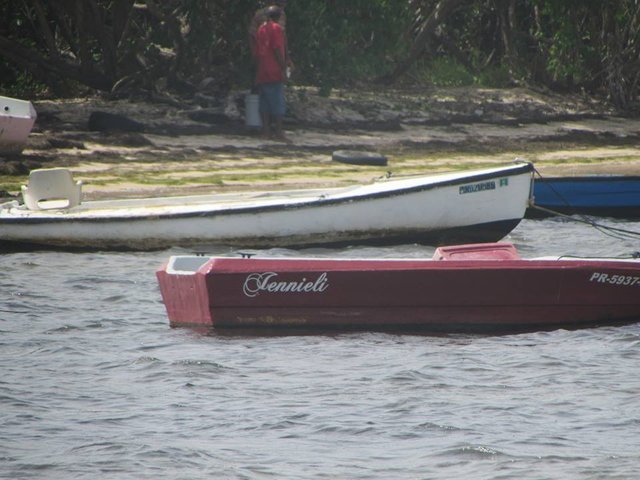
[(203, 147)]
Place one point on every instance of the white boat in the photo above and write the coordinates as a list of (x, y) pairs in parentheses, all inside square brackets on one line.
[(16, 121), (471, 206)]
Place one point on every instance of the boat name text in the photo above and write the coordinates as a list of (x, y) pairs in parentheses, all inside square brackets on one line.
[(268, 282), (625, 280), (477, 187)]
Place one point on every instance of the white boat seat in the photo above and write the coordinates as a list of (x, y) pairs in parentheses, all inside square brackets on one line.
[(51, 188)]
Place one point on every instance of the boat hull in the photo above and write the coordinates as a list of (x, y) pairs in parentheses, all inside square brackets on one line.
[(438, 296), (17, 118), (477, 206), (201, 238), (601, 195)]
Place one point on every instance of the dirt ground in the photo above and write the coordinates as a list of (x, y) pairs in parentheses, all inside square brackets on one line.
[(203, 145)]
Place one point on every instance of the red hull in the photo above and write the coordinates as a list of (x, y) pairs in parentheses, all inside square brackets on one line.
[(499, 292)]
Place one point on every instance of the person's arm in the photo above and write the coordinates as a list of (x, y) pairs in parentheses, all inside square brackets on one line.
[(278, 47), (280, 59), (283, 23)]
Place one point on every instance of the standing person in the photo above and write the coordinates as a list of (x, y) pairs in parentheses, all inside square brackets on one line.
[(260, 17), (271, 75)]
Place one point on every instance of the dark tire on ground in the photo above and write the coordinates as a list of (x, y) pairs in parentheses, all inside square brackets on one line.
[(355, 157)]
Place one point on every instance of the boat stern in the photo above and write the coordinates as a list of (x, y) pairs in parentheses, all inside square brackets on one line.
[(184, 291)]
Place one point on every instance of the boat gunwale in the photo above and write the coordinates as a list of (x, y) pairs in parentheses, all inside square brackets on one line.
[(589, 178), (315, 264)]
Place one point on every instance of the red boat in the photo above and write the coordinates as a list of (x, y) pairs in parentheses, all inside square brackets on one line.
[(467, 288)]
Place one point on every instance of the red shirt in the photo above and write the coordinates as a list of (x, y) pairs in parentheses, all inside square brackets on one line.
[(269, 37)]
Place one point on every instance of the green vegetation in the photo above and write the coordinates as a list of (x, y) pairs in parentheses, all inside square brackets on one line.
[(10, 184), (149, 47), (280, 171)]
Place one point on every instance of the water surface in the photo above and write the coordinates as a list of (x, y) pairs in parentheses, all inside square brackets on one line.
[(95, 384)]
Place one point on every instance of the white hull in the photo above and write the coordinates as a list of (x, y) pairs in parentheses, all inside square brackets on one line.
[(480, 205), (16, 121)]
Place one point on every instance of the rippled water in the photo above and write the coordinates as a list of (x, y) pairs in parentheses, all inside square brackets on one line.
[(94, 384)]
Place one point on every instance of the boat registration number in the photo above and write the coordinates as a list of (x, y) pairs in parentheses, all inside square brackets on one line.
[(625, 280)]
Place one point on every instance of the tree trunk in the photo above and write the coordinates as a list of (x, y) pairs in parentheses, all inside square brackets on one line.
[(440, 13), (506, 12)]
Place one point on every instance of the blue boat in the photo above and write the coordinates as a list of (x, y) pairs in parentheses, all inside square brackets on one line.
[(601, 195)]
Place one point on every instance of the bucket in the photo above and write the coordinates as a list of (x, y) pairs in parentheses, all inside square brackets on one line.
[(252, 110)]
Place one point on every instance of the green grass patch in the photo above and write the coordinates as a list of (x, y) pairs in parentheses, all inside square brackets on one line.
[(10, 187)]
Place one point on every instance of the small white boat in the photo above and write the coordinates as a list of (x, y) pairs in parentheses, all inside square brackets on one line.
[(471, 206), (16, 121)]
